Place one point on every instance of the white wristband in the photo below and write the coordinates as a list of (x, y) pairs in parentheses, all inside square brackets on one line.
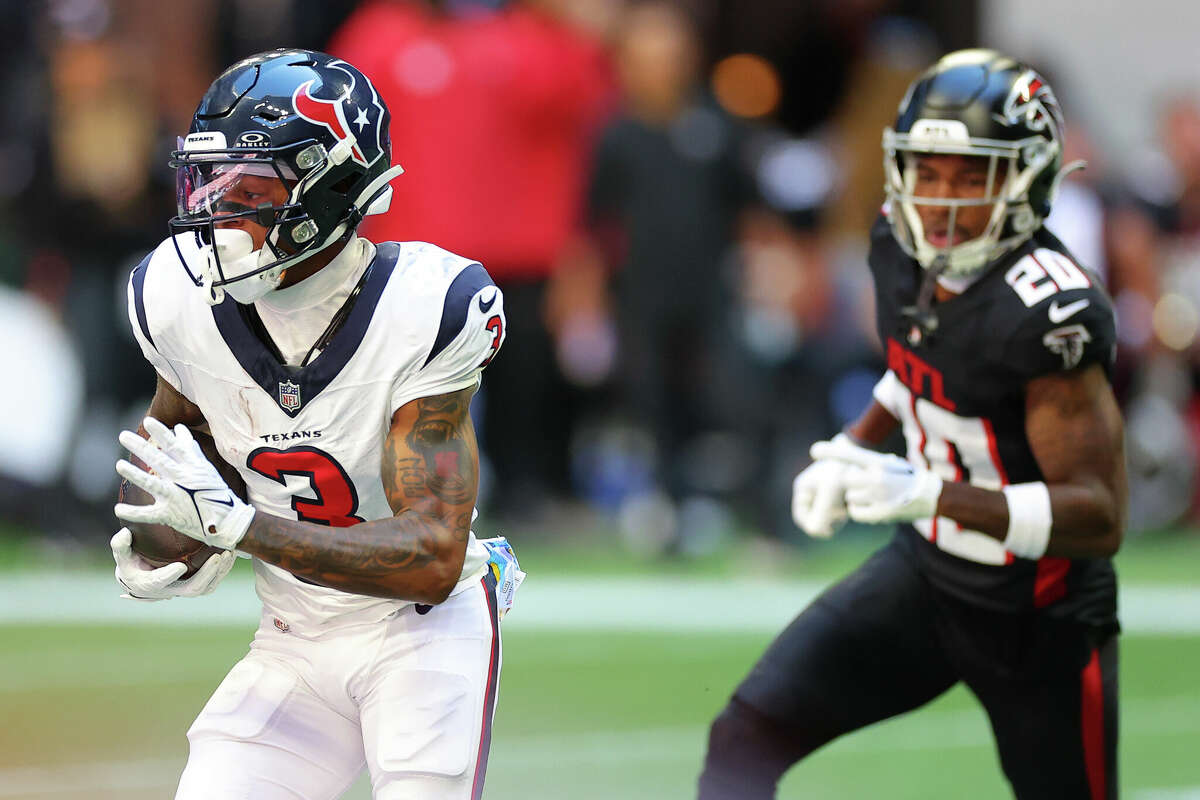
[(1029, 519)]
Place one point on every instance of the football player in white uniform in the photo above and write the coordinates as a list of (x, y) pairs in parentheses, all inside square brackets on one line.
[(336, 376)]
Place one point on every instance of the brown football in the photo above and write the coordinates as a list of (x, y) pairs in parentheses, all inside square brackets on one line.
[(162, 544)]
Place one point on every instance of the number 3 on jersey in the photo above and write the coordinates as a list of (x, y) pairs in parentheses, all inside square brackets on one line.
[(496, 326), (334, 500)]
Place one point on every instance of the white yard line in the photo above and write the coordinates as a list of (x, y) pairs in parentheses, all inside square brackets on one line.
[(640, 603)]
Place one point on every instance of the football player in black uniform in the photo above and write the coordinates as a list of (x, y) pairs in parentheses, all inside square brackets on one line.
[(1012, 499)]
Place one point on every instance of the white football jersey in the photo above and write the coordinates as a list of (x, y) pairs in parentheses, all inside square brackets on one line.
[(309, 441)]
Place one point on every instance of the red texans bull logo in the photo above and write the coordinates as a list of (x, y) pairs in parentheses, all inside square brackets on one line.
[(330, 114)]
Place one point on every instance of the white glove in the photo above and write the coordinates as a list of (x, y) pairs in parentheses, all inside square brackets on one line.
[(881, 487), (189, 494), (144, 582), (819, 497)]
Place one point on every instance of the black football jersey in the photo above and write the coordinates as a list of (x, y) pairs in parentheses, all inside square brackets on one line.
[(959, 392)]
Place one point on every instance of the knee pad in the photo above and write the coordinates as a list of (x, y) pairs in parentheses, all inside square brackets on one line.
[(748, 752), (424, 723)]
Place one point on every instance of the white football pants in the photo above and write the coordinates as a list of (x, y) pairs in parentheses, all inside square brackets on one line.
[(411, 697)]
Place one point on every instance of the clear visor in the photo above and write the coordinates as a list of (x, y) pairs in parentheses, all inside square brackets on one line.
[(210, 189), (242, 211)]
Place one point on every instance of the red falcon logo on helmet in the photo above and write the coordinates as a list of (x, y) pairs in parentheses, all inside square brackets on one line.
[(1032, 101), (328, 113)]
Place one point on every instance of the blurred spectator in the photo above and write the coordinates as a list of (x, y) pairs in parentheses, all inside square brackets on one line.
[(896, 51), (39, 416), (90, 190), (1078, 215), (814, 45), (243, 27), (1158, 242), (806, 339), (493, 112), (668, 184)]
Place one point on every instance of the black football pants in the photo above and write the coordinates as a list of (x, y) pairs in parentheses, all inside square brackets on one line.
[(882, 642)]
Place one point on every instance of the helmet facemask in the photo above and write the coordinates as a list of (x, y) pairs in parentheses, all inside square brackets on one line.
[(1011, 168), (223, 194)]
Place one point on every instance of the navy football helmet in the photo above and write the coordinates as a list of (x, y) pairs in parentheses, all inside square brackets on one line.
[(976, 103), (294, 141)]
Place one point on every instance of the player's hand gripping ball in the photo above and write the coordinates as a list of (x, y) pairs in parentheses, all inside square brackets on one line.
[(143, 581), (189, 493), (160, 545)]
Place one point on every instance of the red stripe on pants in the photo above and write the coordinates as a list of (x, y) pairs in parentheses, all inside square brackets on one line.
[(1050, 584), (1092, 711), (489, 696)]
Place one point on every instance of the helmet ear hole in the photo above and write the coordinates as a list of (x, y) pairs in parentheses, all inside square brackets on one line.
[(344, 185)]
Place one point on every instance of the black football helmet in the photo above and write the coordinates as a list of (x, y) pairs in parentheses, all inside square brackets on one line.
[(976, 103), (293, 140)]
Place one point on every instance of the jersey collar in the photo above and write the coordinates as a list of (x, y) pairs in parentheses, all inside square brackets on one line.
[(294, 388)]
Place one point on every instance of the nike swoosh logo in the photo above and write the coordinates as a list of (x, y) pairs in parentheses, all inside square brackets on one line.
[(227, 501), (485, 307), (196, 497), (1060, 313)]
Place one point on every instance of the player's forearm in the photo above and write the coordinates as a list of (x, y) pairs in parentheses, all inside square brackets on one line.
[(1087, 520), (873, 426), (410, 556)]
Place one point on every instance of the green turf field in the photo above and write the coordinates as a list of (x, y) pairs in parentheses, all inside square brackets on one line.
[(100, 713), (99, 710)]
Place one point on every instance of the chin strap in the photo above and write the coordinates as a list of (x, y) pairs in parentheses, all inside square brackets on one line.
[(374, 199), (922, 319)]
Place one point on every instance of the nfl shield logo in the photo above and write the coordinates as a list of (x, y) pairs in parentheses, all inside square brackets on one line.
[(289, 395)]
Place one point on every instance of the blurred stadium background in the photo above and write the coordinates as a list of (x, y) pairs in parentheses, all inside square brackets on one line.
[(674, 198)]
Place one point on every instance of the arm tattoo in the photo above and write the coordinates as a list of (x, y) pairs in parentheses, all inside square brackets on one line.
[(436, 437), (374, 548), (430, 474)]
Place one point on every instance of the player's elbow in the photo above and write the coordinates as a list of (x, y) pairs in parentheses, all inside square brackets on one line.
[(1109, 528), (441, 591), (1109, 542), (438, 578), (433, 586), (443, 577), (1092, 521)]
